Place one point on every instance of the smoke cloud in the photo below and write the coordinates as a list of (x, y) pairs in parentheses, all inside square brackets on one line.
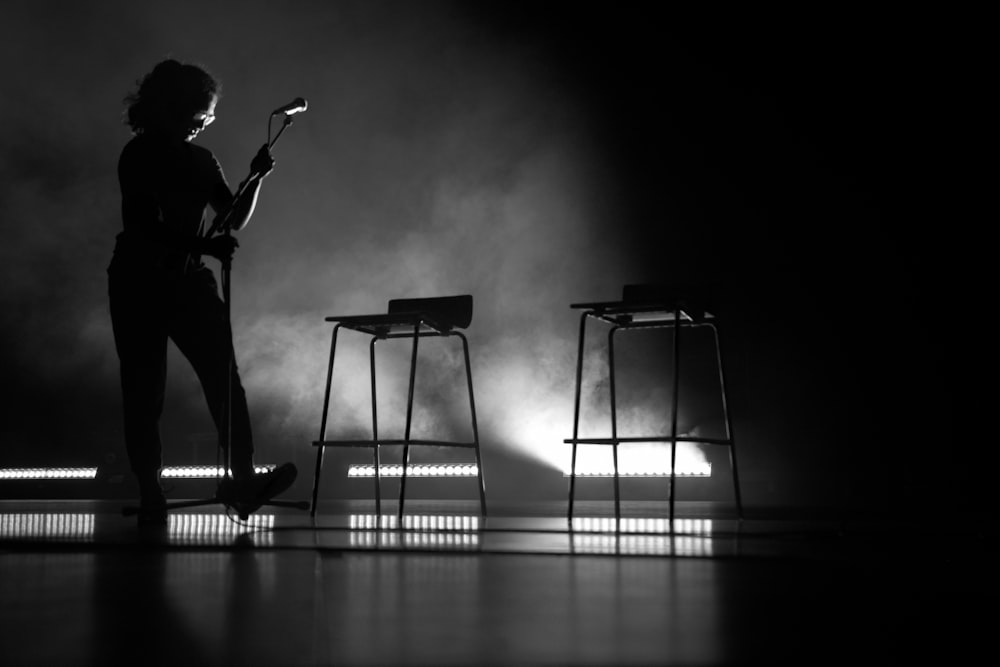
[(532, 158), (437, 157)]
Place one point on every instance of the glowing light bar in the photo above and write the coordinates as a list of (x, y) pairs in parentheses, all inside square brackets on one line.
[(203, 472), (48, 473), (686, 470), (445, 470)]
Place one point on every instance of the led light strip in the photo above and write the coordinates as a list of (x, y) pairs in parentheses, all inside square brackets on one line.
[(444, 470), (48, 473), (171, 472), (693, 470), (203, 472)]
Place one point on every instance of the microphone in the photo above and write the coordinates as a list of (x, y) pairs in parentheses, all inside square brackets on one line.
[(297, 105)]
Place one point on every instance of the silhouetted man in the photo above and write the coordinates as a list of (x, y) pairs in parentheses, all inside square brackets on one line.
[(159, 288)]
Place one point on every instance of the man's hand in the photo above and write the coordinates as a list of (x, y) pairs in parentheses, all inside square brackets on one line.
[(220, 247), (262, 163)]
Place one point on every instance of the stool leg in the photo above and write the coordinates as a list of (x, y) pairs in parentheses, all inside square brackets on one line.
[(409, 420), (673, 416), (378, 469), (614, 419), (322, 427), (576, 413), (729, 423), (475, 425)]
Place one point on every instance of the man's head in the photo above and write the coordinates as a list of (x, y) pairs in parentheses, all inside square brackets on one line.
[(174, 100)]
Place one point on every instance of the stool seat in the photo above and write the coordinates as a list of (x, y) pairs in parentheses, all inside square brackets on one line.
[(645, 306), (412, 318), (642, 304), (434, 316)]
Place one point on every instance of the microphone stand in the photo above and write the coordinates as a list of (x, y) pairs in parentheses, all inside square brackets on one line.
[(223, 224)]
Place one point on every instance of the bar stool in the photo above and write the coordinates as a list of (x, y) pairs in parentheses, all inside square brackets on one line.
[(409, 319), (648, 307)]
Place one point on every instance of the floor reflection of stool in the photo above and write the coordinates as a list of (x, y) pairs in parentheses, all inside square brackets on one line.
[(413, 319), (648, 307)]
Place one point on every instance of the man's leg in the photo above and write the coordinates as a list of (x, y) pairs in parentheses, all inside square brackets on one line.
[(141, 343), (202, 332)]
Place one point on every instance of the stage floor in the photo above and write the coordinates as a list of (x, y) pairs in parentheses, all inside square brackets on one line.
[(81, 584)]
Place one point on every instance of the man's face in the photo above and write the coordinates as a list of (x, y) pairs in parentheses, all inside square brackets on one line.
[(201, 119)]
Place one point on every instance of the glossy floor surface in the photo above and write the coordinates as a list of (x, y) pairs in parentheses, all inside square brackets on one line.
[(80, 584)]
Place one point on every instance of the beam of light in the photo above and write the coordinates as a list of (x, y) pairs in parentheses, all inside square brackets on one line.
[(469, 174), (429, 522), (48, 473), (204, 472), (442, 470), (534, 414), (41, 526), (534, 198), (640, 460)]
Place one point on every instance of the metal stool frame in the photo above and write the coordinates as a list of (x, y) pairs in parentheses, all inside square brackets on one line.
[(415, 325), (621, 315)]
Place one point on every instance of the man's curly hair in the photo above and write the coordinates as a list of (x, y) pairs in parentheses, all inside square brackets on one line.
[(171, 91)]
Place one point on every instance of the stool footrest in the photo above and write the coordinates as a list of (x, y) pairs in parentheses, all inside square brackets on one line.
[(388, 441), (653, 438)]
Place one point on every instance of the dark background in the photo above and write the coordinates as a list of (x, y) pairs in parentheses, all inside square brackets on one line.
[(818, 167)]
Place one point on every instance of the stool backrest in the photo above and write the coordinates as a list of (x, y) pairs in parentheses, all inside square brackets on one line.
[(451, 312), (697, 299)]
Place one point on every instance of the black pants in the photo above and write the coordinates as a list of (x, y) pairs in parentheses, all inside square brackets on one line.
[(190, 313)]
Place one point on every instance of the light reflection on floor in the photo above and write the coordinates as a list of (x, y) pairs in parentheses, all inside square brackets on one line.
[(642, 536), (654, 525), (423, 540), (642, 545), (181, 529), (447, 586), (414, 522), (195, 529), (415, 531), (426, 531), (38, 525)]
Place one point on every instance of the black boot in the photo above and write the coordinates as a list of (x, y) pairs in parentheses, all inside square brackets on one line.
[(246, 492)]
